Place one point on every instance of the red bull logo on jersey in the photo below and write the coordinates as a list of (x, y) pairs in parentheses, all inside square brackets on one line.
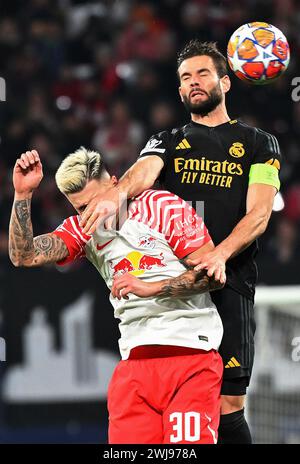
[(147, 241), (136, 263)]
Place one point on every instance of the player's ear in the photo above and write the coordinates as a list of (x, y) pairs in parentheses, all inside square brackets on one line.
[(181, 97), (225, 83)]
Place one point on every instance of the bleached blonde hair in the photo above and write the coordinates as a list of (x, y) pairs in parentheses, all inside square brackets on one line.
[(77, 169)]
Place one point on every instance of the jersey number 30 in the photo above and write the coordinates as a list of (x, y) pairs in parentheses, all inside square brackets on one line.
[(186, 426)]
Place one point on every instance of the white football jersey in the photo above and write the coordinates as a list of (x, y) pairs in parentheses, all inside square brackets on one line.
[(160, 229)]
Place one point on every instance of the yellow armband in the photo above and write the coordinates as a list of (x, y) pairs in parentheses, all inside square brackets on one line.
[(264, 174)]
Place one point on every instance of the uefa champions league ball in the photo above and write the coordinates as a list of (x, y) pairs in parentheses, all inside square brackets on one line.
[(258, 53)]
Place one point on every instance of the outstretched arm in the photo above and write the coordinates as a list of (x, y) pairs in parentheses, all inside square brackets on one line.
[(24, 249)]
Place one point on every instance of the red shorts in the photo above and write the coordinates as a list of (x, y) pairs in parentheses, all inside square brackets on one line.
[(171, 397)]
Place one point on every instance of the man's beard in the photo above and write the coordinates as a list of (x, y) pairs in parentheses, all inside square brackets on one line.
[(214, 98)]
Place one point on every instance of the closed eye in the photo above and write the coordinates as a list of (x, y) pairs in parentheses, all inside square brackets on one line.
[(82, 208)]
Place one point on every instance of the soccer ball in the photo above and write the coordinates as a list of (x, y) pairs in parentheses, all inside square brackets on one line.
[(258, 53)]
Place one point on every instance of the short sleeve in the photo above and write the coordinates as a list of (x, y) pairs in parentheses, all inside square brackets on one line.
[(266, 162), (75, 240), (184, 230), (157, 145)]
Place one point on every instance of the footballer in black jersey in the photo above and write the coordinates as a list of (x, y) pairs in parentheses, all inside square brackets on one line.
[(216, 165), (233, 169)]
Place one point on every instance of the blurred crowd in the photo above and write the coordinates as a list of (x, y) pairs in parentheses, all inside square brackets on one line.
[(102, 74)]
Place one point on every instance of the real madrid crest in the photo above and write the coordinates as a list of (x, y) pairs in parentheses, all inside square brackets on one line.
[(237, 150)]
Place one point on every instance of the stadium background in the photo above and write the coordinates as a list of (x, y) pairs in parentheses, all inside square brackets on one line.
[(102, 74)]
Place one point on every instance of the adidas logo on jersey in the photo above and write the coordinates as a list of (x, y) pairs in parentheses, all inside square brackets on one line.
[(184, 144), (232, 363)]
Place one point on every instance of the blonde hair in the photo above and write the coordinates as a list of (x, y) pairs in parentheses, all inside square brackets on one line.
[(77, 169)]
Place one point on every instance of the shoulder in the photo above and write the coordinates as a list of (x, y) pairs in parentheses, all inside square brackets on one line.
[(161, 143), (159, 210), (153, 206), (153, 201), (150, 195), (256, 131), (166, 136), (262, 139), (72, 227), (266, 141)]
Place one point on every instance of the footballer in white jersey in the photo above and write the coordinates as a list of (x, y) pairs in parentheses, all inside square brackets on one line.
[(166, 388), (161, 229)]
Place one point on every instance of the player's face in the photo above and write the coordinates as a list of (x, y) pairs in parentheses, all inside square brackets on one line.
[(94, 188), (201, 89)]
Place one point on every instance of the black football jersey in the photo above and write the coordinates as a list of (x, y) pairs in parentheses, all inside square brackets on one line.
[(209, 167)]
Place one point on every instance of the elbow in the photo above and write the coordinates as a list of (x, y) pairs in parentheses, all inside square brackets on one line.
[(19, 262), (141, 179), (14, 259), (263, 228), (261, 218), (16, 262), (143, 182), (263, 224)]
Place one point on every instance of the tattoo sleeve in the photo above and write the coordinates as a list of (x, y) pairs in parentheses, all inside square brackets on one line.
[(189, 283), (24, 250)]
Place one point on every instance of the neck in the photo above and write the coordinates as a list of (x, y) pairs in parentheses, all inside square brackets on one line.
[(218, 116)]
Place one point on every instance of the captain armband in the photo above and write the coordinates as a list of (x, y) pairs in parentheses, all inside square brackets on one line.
[(264, 174)]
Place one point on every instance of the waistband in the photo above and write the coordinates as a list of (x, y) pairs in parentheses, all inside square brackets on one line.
[(162, 351)]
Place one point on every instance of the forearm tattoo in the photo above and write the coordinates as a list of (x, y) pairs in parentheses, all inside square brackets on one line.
[(50, 248), (26, 250), (20, 232), (189, 283)]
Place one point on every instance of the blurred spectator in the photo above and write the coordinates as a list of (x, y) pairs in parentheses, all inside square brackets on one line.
[(194, 21), (74, 133), (120, 139), (142, 91), (106, 70), (279, 262), (141, 37), (162, 117), (46, 39), (9, 39), (292, 198)]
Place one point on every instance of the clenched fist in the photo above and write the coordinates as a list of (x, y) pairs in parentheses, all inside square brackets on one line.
[(28, 173)]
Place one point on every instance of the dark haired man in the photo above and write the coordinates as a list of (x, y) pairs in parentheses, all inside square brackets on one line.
[(233, 168)]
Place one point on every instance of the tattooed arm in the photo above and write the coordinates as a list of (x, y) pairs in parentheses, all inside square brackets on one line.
[(188, 283), (192, 281), (24, 250)]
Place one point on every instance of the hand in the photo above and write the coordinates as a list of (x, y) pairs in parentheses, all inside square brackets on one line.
[(127, 283), (27, 173), (213, 262), (99, 208)]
